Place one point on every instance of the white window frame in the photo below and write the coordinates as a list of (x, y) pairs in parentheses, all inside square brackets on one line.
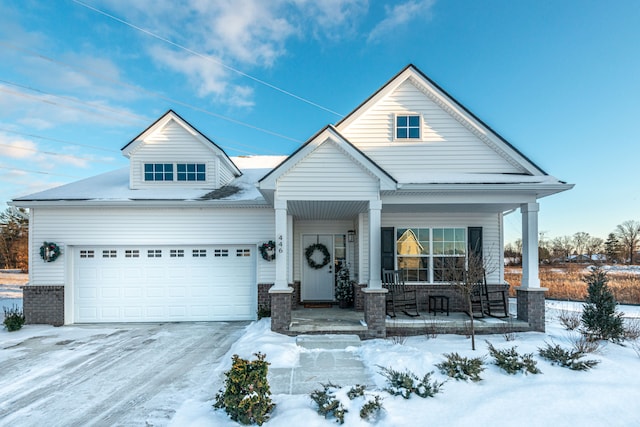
[(174, 172), (431, 255), (407, 115)]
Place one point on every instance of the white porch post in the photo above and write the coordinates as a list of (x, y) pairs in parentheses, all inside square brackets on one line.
[(530, 278), (375, 275), (282, 243)]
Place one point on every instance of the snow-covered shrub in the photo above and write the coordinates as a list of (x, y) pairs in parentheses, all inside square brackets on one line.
[(570, 320), (13, 318), (462, 368), (356, 391), (632, 329), (566, 358), (511, 362), (370, 411), (246, 397), (405, 383), (328, 404), (599, 315)]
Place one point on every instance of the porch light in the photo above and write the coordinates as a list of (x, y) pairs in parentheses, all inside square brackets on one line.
[(351, 235)]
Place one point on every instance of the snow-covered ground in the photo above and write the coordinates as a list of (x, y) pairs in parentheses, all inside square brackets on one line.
[(169, 374)]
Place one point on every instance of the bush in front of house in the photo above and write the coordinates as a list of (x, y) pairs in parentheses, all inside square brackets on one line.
[(510, 361), (406, 383), (462, 368), (13, 318), (567, 358), (246, 397), (599, 315), (328, 404)]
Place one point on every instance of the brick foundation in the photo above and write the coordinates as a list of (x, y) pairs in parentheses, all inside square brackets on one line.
[(43, 305), (531, 307), (374, 312), (281, 309)]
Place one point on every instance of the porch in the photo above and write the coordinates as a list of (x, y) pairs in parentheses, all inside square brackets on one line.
[(334, 320)]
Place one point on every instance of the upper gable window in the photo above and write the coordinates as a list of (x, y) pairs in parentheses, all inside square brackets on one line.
[(408, 126), (158, 172), (191, 172), (183, 172)]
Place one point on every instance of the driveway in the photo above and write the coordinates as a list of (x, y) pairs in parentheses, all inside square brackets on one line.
[(125, 375)]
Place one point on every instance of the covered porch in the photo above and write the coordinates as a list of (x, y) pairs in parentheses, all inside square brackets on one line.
[(334, 320)]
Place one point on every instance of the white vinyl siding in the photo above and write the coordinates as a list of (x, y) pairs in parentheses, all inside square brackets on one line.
[(445, 145), (145, 226), (327, 174)]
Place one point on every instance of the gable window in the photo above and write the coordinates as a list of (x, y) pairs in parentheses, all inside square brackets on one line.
[(408, 126), (428, 254), (191, 171), (158, 172)]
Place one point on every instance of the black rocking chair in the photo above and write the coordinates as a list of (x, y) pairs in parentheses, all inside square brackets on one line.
[(399, 297), (490, 302)]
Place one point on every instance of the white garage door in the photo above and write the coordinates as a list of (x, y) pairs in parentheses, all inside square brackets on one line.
[(154, 284)]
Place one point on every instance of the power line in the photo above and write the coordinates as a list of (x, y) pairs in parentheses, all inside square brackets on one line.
[(40, 172), (46, 101), (209, 58), (67, 98), (152, 93), (57, 140), (49, 153)]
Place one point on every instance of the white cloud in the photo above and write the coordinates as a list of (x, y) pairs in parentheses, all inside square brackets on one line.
[(243, 34), (399, 15)]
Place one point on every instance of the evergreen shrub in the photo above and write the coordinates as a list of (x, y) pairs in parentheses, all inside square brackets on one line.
[(13, 318), (246, 397)]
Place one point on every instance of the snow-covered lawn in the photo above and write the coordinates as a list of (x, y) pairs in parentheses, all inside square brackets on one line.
[(607, 395)]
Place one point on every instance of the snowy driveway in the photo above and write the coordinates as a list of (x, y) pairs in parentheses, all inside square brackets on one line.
[(134, 374)]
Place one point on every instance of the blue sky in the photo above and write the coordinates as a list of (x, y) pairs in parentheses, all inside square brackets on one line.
[(560, 80)]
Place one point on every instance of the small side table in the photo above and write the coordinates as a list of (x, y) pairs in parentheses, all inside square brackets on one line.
[(433, 304)]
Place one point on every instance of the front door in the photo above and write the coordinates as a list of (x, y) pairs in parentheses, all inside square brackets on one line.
[(317, 280)]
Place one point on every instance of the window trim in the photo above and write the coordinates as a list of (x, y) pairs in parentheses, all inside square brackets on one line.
[(408, 115)]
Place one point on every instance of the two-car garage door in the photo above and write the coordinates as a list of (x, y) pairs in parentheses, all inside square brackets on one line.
[(164, 283)]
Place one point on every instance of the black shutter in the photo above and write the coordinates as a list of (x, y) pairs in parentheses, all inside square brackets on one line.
[(475, 241), (387, 248)]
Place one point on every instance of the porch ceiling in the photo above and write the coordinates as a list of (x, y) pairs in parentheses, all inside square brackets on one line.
[(322, 210), (452, 208)]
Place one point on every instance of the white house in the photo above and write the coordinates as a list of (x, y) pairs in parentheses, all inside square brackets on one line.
[(177, 235)]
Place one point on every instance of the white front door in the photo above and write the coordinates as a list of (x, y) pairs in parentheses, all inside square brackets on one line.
[(317, 283)]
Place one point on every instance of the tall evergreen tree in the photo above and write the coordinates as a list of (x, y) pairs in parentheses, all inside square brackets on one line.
[(599, 315), (612, 248)]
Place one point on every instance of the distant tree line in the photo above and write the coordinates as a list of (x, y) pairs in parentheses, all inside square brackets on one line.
[(14, 239), (621, 246)]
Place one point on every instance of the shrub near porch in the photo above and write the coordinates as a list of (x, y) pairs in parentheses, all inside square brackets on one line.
[(565, 282)]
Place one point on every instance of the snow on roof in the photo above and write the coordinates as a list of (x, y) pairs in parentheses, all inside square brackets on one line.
[(114, 185)]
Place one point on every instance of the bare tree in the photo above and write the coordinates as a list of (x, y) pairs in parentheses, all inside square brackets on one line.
[(14, 235), (594, 246), (468, 278), (580, 240), (562, 247), (628, 234)]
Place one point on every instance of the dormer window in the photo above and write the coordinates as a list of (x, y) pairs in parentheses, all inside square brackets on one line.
[(158, 172), (184, 172), (408, 126), (191, 172)]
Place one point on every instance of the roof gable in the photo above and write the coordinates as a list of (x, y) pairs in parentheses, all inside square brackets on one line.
[(328, 142), (171, 118), (450, 131)]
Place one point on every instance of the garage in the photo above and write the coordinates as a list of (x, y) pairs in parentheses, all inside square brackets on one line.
[(164, 283)]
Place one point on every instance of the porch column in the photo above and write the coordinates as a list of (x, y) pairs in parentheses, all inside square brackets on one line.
[(282, 241), (375, 275), (530, 278), (530, 296), (280, 292)]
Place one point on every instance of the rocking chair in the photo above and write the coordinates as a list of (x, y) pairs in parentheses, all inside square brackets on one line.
[(399, 296)]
